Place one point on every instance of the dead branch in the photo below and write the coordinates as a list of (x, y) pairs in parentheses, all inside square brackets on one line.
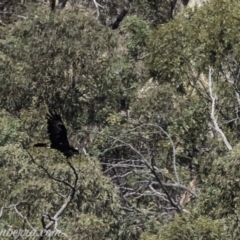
[(97, 5), (142, 167), (214, 119)]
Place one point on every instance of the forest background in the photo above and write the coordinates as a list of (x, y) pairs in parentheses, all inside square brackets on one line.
[(152, 105)]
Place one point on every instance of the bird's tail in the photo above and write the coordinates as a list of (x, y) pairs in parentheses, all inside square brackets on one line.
[(40, 145)]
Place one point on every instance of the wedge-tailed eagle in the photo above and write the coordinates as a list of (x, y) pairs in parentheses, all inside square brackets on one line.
[(58, 136)]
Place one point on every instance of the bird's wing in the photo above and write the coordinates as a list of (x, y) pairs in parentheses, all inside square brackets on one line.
[(57, 131)]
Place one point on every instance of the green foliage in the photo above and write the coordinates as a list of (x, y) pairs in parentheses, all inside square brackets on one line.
[(199, 38), (138, 33), (220, 199), (128, 123), (64, 61), (181, 53), (189, 226), (154, 11), (48, 62), (93, 211), (10, 129)]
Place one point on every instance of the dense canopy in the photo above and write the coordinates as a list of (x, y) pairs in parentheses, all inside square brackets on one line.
[(153, 104)]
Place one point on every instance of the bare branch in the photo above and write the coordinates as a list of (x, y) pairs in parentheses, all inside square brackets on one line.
[(73, 188), (174, 152), (151, 168), (47, 172), (97, 5), (214, 120), (15, 208)]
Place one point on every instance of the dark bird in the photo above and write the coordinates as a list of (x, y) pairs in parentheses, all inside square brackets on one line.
[(119, 19), (58, 136)]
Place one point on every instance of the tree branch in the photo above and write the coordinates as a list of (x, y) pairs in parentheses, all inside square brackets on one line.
[(97, 5), (214, 120), (73, 188)]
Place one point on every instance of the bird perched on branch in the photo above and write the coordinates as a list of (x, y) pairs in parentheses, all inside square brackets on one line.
[(58, 136)]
